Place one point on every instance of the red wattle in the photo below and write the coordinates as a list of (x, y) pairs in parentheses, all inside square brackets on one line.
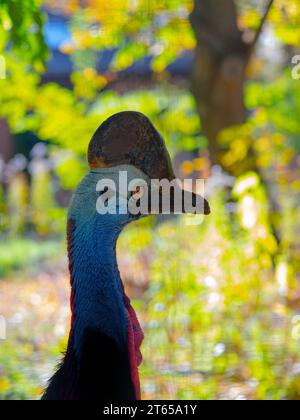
[(135, 339)]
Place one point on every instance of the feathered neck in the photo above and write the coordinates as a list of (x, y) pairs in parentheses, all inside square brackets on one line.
[(103, 350), (97, 291)]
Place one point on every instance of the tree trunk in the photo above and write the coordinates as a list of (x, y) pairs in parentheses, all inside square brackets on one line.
[(219, 69), (6, 141)]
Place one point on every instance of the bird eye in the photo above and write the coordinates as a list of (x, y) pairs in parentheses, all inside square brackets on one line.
[(104, 191), (138, 193)]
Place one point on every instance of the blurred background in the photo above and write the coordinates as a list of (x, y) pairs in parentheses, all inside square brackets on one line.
[(220, 302)]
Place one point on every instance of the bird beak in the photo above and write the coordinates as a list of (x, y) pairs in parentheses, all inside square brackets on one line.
[(200, 204), (178, 201)]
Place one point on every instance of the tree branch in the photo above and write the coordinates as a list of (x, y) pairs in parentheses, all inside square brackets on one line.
[(260, 28)]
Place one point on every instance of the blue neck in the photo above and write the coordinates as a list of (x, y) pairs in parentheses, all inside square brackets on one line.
[(97, 361), (98, 290)]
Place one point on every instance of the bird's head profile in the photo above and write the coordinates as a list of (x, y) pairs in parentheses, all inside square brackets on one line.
[(128, 163), (128, 143)]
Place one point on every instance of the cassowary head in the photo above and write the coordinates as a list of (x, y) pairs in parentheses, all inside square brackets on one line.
[(129, 142)]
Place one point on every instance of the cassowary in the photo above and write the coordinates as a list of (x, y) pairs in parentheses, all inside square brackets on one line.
[(103, 353)]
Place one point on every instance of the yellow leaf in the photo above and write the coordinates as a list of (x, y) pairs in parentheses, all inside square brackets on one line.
[(187, 167), (4, 385)]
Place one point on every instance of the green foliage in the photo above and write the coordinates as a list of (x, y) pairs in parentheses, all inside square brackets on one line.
[(42, 201), (137, 28), (14, 382), (160, 28), (17, 200), (19, 254), (211, 314), (284, 18), (2, 202), (28, 106), (21, 24), (218, 317), (277, 106), (269, 140)]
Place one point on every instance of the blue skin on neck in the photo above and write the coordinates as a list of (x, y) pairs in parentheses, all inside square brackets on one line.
[(97, 364), (98, 290)]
